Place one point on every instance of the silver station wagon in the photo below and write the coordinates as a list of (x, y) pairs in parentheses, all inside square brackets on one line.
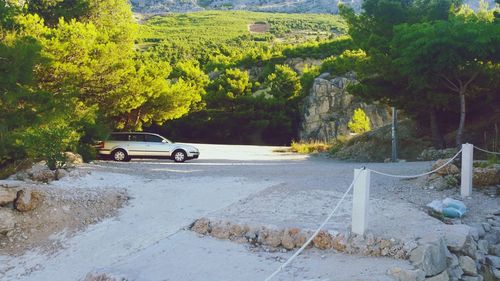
[(125, 146)]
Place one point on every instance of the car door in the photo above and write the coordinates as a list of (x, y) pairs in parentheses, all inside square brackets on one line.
[(136, 145), (157, 146)]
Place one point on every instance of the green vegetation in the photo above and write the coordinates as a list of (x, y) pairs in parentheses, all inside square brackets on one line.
[(310, 147), (375, 145), (359, 123), (73, 70), (435, 60), (233, 26), (253, 95), (69, 71)]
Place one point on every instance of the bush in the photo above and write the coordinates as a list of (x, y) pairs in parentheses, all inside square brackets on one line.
[(360, 123), (87, 151), (49, 142), (310, 147)]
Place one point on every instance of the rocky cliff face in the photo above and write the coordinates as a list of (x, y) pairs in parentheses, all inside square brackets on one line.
[(284, 6), (329, 107)]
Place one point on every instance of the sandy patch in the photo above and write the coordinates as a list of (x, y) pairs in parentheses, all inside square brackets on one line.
[(259, 27)]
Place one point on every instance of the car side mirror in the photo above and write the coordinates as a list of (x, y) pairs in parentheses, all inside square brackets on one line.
[(164, 141)]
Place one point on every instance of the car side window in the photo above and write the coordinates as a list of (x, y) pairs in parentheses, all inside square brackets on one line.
[(136, 137), (119, 137), (153, 138)]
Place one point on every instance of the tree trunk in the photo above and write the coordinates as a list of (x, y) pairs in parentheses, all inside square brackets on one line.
[(437, 138), (461, 126)]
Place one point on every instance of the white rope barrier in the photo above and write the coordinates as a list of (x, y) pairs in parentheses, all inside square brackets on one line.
[(315, 233), (419, 175), (486, 151)]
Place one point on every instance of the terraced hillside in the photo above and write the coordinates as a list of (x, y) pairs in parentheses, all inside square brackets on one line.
[(225, 26)]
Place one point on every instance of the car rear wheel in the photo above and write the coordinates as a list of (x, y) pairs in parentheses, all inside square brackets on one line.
[(179, 156), (120, 155)]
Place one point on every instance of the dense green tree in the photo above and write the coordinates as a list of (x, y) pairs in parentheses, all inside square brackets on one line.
[(52, 10), (381, 77), (284, 83), (451, 54)]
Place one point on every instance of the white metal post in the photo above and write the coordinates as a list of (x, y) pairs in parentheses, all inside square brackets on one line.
[(466, 176), (360, 201)]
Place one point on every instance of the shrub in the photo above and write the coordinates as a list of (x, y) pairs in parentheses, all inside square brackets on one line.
[(359, 123), (49, 142), (310, 147)]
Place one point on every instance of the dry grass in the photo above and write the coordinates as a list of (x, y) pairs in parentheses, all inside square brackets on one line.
[(310, 147)]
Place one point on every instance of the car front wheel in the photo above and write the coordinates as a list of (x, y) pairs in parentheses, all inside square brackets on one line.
[(179, 156), (120, 155)]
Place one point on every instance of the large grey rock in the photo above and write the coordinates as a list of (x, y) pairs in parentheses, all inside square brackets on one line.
[(494, 250), (443, 276), (430, 256), (493, 261), (496, 273), (455, 273), (7, 220), (486, 226), (454, 269), (402, 274), (329, 107), (479, 229), (482, 246), (459, 240), (468, 265)]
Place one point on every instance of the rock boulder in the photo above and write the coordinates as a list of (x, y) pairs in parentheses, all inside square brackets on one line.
[(468, 265), (329, 107), (486, 176), (27, 200), (323, 240), (430, 256), (449, 169)]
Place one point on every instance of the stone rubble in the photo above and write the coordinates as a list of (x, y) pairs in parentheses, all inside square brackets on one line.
[(272, 239), (459, 253), (39, 172)]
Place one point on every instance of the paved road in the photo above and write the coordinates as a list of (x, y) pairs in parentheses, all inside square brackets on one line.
[(147, 241)]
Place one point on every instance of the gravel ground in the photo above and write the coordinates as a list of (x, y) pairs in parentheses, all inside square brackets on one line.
[(239, 182)]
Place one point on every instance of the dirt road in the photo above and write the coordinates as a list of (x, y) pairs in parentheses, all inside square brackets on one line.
[(148, 240)]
